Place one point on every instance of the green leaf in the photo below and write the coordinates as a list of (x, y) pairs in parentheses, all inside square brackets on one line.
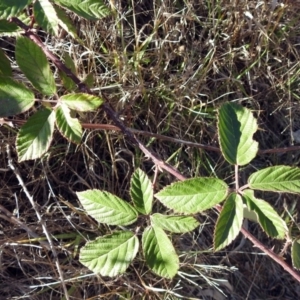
[(141, 192), (89, 80), (236, 126), (268, 218), (250, 214), (33, 63), (229, 222), (15, 98), (89, 9), (65, 23), (69, 127), (35, 135), (176, 224), (81, 101), (107, 208), (11, 8), (159, 252), (68, 83), (9, 29), (110, 255), (276, 179), (296, 254), (193, 195), (5, 68), (45, 15)]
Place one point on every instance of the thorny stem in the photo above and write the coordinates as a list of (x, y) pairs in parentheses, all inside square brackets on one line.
[(157, 161), (105, 106), (158, 136), (270, 253)]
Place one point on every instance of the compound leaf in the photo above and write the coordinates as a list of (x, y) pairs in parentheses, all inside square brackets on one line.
[(35, 135), (69, 127), (141, 192), (33, 63), (81, 101), (110, 255), (107, 208), (236, 126), (229, 222), (176, 224), (15, 98), (268, 218), (276, 179), (193, 195), (159, 252)]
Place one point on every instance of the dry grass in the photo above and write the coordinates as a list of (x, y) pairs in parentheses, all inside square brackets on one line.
[(166, 67)]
